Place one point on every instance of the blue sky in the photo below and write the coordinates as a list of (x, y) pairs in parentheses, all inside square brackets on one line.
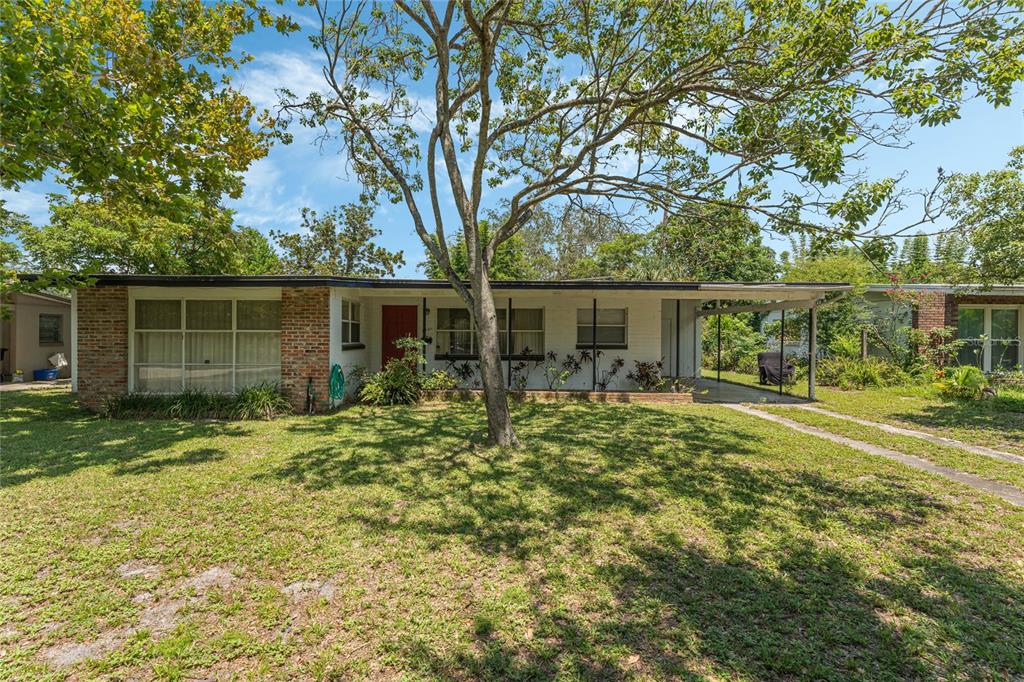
[(301, 174)]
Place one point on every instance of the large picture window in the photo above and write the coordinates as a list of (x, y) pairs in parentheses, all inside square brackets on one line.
[(991, 337), (456, 334), (610, 328), (218, 346)]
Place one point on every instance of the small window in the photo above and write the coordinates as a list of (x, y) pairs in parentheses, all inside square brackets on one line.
[(51, 329), (610, 327), (350, 322)]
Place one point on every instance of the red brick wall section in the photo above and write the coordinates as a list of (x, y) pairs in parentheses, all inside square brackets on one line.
[(935, 310), (305, 343), (102, 344)]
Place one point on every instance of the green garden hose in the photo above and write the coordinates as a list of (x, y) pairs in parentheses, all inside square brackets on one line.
[(337, 384)]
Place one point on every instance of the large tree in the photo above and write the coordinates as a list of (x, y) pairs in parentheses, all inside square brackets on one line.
[(338, 242), (987, 210), (87, 236), (702, 242), (120, 100), (663, 103)]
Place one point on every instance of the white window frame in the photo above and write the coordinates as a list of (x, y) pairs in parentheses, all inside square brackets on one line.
[(986, 346), (609, 346), (347, 322), (182, 300), (502, 334)]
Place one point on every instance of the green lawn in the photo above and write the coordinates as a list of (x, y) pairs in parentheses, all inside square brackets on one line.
[(625, 541), (956, 458), (997, 423)]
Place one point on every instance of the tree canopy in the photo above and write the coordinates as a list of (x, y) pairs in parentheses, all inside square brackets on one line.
[(111, 98), (988, 214), (87, 236), (339, 242)]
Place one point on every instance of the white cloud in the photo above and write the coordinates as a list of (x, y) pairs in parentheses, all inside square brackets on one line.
[(265, 203), (28, 202), (271, 71)]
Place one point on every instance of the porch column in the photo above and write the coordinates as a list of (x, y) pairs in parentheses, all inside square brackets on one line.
[(812, 350), (593, 347), (508, 342)]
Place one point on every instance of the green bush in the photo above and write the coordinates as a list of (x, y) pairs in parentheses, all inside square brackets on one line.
[(845, 346), (854, 373), (396, 384), (438, 380), (965, 382), (740, 343), (255, 402), (262, 401)]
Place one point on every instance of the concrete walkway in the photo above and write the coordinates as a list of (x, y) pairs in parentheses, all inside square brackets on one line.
[(711, 391), (33, 385), (930, 437), (1009, 493)]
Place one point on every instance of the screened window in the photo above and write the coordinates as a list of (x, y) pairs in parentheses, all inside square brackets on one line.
[(456, 334), (350, 322), (218, 346), (610, 327), (991, 337), (1005, 344), (51, 328), (971, 328)]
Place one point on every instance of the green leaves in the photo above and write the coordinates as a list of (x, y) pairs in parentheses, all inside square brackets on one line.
[(119, 100)]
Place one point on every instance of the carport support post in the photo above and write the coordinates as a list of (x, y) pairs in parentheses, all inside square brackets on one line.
[(593, 347), (812, 350), (508, 341), (782, 352), (718, 363)]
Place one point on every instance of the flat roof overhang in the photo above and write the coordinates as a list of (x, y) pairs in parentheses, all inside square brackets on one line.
[(712, 289)]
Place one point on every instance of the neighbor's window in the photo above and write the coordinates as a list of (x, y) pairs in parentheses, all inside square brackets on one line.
[(51, 328), (991, 337), (611, 327), (1005, 344), (456, 334), (970, 326), (214, 345), (350, 326)]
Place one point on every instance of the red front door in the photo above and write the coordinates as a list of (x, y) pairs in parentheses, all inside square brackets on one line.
[(396, 321)]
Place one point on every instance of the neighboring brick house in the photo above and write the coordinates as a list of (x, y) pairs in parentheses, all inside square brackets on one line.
[(990, 321), (164, 334)]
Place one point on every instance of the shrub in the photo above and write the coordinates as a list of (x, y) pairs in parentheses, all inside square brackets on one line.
[(396, 384), (740, 343), (965, 382), (439, 380), (647, 375), (845, 346), (262, 401), (255, 402), (854, 373)]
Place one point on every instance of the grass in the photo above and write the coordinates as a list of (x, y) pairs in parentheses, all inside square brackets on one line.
[(624, 542), (996, 423), (956, 458)]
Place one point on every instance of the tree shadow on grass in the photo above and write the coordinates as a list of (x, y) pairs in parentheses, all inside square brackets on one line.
[(680, 613), (43, 435), (795, 607), (1000, 419)]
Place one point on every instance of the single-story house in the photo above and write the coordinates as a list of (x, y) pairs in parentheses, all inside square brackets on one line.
[(163, 334), (989, 319), (35, 326)]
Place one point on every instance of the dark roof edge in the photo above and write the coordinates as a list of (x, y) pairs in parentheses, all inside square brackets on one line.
[(356, 282)]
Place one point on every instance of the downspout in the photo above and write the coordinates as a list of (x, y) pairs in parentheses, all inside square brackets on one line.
[(679, 366)]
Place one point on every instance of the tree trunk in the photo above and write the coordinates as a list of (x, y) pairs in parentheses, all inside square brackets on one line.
[(499, 420)]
